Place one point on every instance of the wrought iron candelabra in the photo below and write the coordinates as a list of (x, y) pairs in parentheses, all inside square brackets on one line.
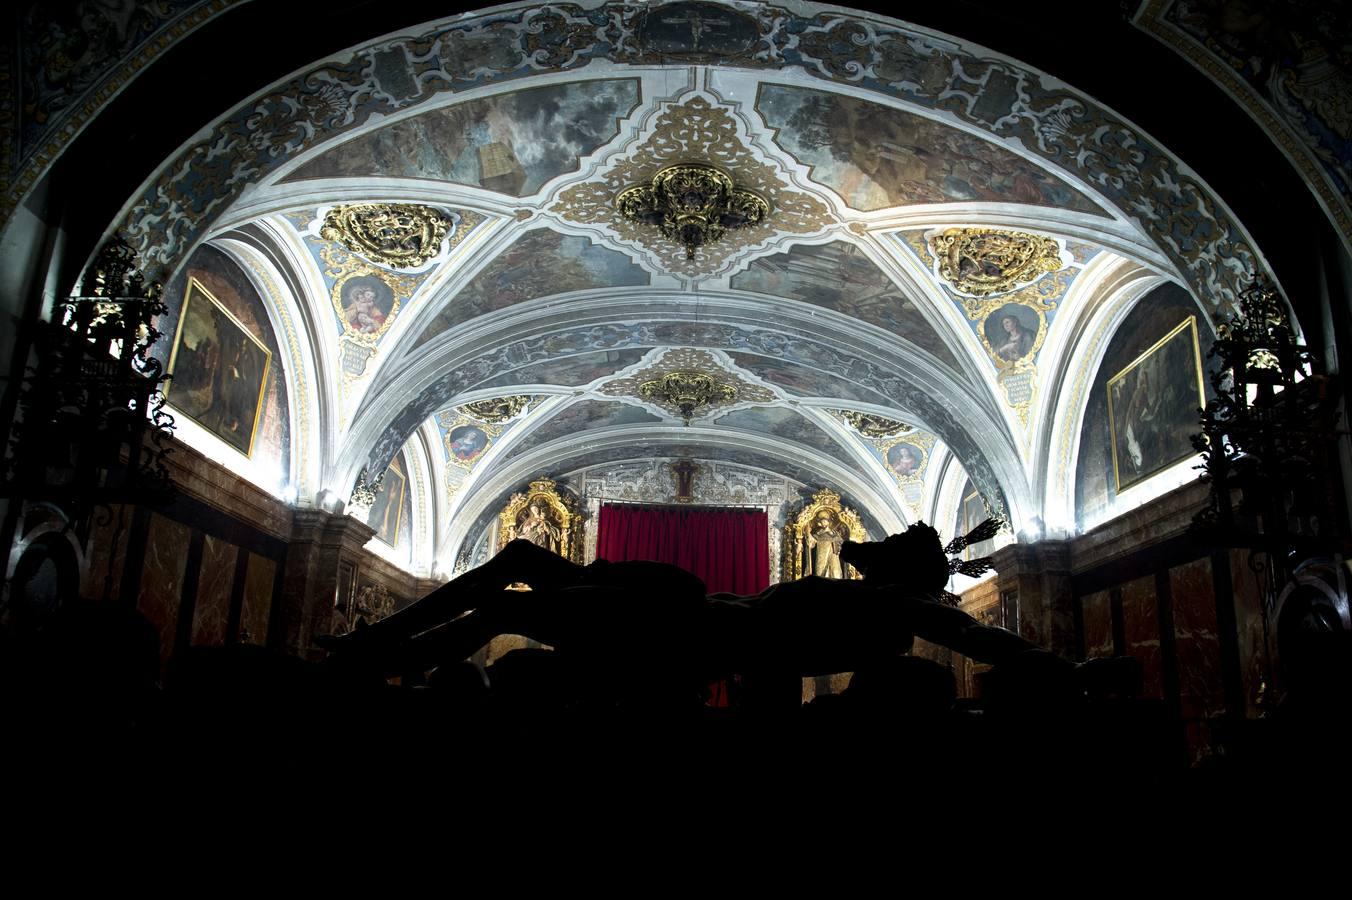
[(91, 429)]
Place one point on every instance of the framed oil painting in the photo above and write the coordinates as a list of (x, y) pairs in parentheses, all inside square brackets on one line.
[(466, 443), (220, 370), (387, 512), (1011, 332), (974, 512), (905, 459), (1153, 406), (366, 304)]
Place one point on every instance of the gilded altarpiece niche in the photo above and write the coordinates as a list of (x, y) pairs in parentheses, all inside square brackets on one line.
[(813, 538), (546, 518)]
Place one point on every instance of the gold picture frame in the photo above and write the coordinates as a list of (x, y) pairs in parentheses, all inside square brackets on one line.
[(1144, 431), (390, 502), (205, 392)]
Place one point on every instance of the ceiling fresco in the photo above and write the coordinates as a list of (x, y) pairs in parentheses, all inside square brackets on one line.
[(570, 371), (783, 422), (839, 276), (540, 263), (875, 156), (872, 143), (511, 143)]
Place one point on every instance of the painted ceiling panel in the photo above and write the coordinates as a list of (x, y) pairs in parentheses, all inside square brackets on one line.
[(804, 380), (582, 417), (540, 263), (839, 276), (511, 143), (784, 423), (570, 371), (875, 156)]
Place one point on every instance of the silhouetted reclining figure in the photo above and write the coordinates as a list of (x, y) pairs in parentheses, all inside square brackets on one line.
[(654, 616)]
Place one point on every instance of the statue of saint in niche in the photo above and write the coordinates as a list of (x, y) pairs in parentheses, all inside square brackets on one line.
[(536, 527), (824, 541)]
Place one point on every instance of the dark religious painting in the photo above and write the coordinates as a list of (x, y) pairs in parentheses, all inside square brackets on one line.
[(974, 512), (466, 442), (905, 459), (1153, 406), (512, 143), (1011, 331), (1157, 316), (388, 509), (219, 370), (875, 156), (366, 303)]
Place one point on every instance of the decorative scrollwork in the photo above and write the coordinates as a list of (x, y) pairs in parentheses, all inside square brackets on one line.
[(985, 261), (692, 204), (364, 492), (697, 128), (496, 410), (373, 603), (399, 235), (687, 392), (91, 429), (874, 426)]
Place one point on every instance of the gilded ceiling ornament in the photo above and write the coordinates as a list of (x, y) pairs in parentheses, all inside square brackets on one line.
[(692, 204), (984, 261), (364, 492), (872, 425), (687, 391), (680, 375), (399, 235), (696, 129), (496, 410)]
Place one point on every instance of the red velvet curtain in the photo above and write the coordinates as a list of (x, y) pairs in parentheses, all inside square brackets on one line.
[(728, 548)]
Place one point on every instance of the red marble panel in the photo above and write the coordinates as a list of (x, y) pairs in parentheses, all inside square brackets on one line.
[(1201, 691), (1140, 617), (162, 578), (214, 584), (1098, 625), (107, 555), (1254, 659), (257, 600)]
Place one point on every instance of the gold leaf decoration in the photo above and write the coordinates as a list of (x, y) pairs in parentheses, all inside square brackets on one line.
[(985, 261), (398, 235), (694, 131)]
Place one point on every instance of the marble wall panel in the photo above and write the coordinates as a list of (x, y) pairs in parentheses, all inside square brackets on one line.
[(1197, 643), (1257, 655), (162, 578), (107, 555), (214, 584), (1098, 625), (258, 584), (1140, 617)]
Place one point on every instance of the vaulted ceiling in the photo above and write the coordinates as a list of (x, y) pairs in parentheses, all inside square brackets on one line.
[(953, 240)]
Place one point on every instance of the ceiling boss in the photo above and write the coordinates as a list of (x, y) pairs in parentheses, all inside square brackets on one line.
[(692, 204)]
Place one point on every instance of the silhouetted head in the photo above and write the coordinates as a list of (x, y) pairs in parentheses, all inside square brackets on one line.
[(914, 558)]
